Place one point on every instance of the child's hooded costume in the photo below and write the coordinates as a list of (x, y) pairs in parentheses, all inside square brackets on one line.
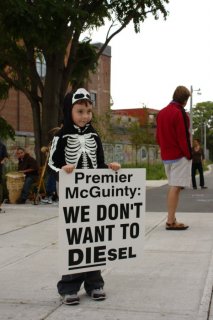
[(81, 147)]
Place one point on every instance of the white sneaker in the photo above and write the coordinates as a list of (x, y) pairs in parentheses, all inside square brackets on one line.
[(55, 203), (44, 200), (98, 294), (70, 299), (50, 201)]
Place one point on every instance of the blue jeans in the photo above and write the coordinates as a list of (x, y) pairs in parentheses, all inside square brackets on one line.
[(50, 184), (29, 180)]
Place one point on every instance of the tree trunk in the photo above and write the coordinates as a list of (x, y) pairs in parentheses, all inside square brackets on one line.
[(37, 129), (51, 97)]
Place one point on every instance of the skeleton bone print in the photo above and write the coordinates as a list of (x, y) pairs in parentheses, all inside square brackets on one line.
[(81, 148)]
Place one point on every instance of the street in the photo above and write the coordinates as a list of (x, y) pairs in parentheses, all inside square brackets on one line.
[(200, 200)]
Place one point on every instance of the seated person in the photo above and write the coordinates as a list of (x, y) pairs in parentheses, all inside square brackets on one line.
[(28, 166)]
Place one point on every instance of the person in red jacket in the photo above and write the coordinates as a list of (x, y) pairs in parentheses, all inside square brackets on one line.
[(173, 138)]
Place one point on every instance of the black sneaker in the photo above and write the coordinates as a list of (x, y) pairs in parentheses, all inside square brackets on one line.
[(204, 187), (98, 294), (2, 210), (71, 299)]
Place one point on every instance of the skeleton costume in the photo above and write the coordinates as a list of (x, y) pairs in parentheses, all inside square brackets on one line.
[(81, 147)]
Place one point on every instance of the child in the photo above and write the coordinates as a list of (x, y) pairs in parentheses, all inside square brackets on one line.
[(77, 145), (50, 183)]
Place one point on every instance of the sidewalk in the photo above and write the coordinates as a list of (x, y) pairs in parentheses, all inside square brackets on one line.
[(173, 283)]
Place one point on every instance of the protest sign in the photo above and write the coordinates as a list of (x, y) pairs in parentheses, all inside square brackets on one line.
[(101, 218)]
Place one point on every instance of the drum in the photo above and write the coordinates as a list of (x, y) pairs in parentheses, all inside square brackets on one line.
[(15, 182)]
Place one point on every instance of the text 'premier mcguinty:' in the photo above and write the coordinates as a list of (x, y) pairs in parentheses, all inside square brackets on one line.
[(97, 192)]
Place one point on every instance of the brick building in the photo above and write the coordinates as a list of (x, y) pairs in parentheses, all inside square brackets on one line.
[(17, 109), (122, 118)]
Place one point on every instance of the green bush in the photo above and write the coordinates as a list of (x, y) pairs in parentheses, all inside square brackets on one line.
[(153, 171)]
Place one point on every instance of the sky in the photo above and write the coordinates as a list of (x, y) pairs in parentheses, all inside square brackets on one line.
[(148, 66)]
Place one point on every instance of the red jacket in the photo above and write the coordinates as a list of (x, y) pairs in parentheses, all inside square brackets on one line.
[(172, 133)]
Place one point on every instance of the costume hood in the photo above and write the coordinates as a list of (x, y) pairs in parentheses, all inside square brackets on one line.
[(69, 100)]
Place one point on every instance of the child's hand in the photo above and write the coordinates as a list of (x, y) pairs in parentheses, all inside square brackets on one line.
[(114, 166), (68, 168)]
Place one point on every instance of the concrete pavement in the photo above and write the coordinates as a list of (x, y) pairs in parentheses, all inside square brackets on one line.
[(174, 282)]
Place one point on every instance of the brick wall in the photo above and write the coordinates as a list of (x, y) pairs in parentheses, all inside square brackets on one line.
[(100, 84), (17, 111)]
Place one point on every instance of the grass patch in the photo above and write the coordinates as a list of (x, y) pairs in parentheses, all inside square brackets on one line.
[(156, 171), (153, 171)]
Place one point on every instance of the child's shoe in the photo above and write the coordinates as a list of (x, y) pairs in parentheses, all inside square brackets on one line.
[(98, 294), (49, 201), (44, 200), (71, 299)]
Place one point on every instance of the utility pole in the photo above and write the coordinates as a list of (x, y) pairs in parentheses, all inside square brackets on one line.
[(191, 113), (191, 110), (204, 139)]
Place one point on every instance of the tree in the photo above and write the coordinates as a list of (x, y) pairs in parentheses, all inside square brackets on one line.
[(51, 30), (141, 133), (136, 137), (6, 130), (203, 124), (103, 124)]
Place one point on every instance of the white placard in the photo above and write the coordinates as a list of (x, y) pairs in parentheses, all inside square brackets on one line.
[(101, 218)]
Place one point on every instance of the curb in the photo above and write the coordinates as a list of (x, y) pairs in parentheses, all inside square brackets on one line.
[(205, 305)]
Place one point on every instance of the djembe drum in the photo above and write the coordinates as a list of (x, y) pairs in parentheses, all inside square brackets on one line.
[(15, 182)]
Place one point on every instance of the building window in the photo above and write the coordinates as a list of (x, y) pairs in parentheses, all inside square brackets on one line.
[(93, 98), (151, 118), (143, 153), (41, 66)]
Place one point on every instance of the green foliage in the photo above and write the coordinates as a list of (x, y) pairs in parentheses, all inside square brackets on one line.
[(102, 123), (136, 134), (6, 130), (203, 112), (86, 61), (141, 134), (153, 171), (4, 88), (203, 124)]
